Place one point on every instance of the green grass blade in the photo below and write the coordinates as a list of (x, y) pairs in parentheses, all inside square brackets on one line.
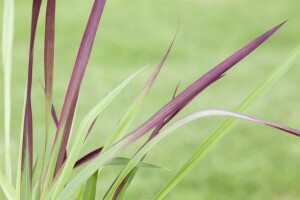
[(82, 130), (227, 124), (19, 168), (7, 188), (7, 45), (187, 119)]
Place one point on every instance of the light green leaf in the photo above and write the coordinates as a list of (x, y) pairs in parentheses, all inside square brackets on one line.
[(7, 44), (19, 169)]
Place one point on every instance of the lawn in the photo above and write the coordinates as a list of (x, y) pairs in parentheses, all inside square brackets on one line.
[(251, 162)]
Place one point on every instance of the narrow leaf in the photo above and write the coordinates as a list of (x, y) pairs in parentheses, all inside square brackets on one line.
[(48, 72), (77, 76), (27, 145), (7, 45)]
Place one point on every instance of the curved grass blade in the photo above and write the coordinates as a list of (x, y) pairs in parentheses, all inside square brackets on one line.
[(7, 45), (189, 118), (216, 135), (7, 188), (177, 103), (80, 137), (66, 117)]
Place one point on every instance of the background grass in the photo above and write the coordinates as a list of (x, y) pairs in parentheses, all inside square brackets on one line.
[(252, 162)]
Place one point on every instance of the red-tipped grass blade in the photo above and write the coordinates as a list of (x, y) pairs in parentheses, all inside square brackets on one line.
[(27, 145), (66, 117)]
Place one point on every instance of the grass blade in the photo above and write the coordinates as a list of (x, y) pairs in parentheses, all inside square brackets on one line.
[(189, 118), (27, 145), (77, 76), (19, 168), (7, 45), (7, 188), (228, 124), (48, 74)]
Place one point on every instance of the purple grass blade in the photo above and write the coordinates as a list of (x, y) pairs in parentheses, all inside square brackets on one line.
[(66, 117), (54, 116), (27, 145), (49, 51), (88, 157), (186, 96)]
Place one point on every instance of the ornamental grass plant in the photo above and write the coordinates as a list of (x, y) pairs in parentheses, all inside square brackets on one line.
[(58, 169)]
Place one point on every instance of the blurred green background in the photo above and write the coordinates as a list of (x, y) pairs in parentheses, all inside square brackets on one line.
[(251, 162)]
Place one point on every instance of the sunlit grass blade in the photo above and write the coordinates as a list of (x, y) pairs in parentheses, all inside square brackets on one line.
[(7, 188), (189, 118), (81, 134), (7, 45), (228, 124)]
